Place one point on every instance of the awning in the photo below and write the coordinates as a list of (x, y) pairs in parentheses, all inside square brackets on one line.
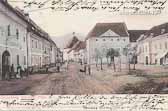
[(161, 55)]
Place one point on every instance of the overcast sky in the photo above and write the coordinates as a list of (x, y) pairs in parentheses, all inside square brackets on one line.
[(60, 23)]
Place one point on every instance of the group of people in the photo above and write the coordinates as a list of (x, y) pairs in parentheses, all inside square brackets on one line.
[(10, 72)]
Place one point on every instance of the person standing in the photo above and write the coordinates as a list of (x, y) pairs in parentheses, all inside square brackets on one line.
[(18, 72), (12, 73), (89, 69)]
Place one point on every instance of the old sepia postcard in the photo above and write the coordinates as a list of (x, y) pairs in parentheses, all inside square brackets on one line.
[(84, 55)]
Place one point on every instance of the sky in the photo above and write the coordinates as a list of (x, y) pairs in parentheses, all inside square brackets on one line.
[(61, 23)]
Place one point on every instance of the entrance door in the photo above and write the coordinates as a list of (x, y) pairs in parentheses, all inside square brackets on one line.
[(5, 64), (147, 61), (161, 61)]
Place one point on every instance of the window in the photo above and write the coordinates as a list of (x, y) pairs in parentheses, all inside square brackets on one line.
[(146, 48), (166, 46), (104, 39), (9, 30), (96, 39), (160, 46), (163, 31), (124, 39), (51, 48), (17, 59), (32, 43), (151, 34), (118, 39), (24, 60), (39, 45), (24, 39), (36, 44), (17, 34), (111, 39)]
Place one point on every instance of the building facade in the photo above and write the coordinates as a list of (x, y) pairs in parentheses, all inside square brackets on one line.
[(13, 35), (153, 46), (105, 36), (22, 42)]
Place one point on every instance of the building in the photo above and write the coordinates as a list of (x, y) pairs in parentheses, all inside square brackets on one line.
[(79, 51), (69, 53), (134, 36), (60, 58), (22, 42), (153, 46), (13, 35), (105, 36)]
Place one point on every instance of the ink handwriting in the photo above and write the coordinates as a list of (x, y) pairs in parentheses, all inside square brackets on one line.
[(89, 102), (134, 6)]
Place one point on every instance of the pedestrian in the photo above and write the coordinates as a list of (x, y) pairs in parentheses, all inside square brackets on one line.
[(12, 72), (89, 69), (85, 68), (47, 67), (18, 71), (67, 65), (21, 72), (8, 72)]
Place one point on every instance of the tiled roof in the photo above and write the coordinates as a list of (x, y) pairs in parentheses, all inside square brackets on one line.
[(36, 29), (155, 31), (135, 34), (82, 45), (72, 42), (100, 28), (78, 46), (17, 13)]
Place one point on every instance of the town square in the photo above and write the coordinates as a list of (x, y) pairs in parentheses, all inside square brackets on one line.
[(111, 58)]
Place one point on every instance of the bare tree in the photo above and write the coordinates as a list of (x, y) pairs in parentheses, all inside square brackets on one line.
[(126, 52), (131, 53), (112, 53), (135, 53), (97, 57)]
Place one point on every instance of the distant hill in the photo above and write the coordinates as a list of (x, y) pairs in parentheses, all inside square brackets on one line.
[(62, 41)]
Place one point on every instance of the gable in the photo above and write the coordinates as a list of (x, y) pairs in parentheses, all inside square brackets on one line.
[(109, 33), (101, 28)]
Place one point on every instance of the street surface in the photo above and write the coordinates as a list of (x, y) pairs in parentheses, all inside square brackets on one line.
[(74, 82)]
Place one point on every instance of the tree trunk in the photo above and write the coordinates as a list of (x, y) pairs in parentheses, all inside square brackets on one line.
[(120, 63), (101, 64), (129, 67), (111, 60), (114, 67), (97, 64), (107, 61), (134, 58), (89, 70)]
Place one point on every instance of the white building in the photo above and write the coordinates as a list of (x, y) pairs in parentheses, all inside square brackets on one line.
[(69, 53), (153, 46), (13, 35), (105, 36), (22, 42)]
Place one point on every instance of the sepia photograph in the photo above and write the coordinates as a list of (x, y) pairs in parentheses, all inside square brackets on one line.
[(79, 47)]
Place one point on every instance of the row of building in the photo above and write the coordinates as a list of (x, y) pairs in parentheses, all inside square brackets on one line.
[(151, 45), (75, 50), (22, 42)]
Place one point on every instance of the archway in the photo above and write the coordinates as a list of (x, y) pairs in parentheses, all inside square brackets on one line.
[(5, 64)]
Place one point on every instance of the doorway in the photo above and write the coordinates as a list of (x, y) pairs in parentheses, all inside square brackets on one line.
[(147, 60), (5, 64)]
